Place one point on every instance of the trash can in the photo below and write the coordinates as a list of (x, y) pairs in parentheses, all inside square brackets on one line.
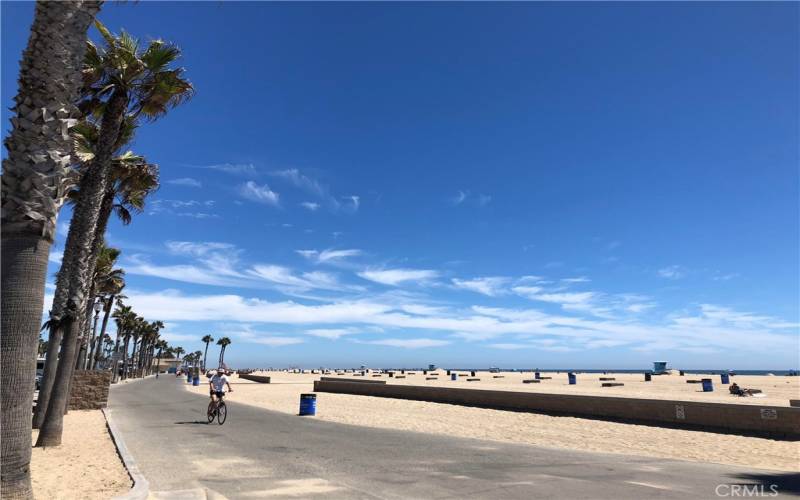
[(648, 376), (308, 404), (681, 373), (196, 381), (454, 376), (572, 378), (725, 378), (189, 377), (473, 373), (537, 375), (391, 374), (448, 372), (708, 386)]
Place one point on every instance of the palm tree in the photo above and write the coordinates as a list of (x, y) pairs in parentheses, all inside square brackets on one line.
[(207, 339), (120, 80), (106, 276), (162, 347), (224, 342), (36, 176), (178, 351)]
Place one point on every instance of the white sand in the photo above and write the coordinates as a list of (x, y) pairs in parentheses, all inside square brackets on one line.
[(542, 430), (85, 466)]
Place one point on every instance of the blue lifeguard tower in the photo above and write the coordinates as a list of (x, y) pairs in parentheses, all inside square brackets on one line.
[(659, 367)]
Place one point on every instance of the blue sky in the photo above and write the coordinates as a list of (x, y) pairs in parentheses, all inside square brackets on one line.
[(516, 184)]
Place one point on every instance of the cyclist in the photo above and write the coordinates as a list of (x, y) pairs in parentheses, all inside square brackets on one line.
[(217, 385)]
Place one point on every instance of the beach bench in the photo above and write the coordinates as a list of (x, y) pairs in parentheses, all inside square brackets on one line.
[(531, 381), (473, 380), (607, 378), (431, 378), (376, 374), (693, 381), (612, 384), (545, 378), (400, 376), (498, 376)]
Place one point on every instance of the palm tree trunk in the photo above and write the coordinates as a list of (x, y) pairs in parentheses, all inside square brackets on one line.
[(24, 268), (80, 362), (205, 355), (35, 181), (125, 358), (79, 257), (106, 315), (50, 366), (95, 345)]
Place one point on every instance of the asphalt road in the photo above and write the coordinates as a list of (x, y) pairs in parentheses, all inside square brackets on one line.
[(264, 454)]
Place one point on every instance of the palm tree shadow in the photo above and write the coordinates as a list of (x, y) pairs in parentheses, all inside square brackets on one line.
[(193, 422), (784, 483)]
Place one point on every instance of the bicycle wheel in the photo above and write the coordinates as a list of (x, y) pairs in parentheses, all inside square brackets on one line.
[(222, 413), (211, 412)]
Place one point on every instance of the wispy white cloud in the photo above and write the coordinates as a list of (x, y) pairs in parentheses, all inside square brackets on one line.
[(330, 333), (260, 194), (312, 186), (409, 343), (55, 256), (186, 182), (394, 277), (672, 272), (712, 327), (465, 197), (581, 279), (242, 169), (329, 256), (489, 285), (284, 276)]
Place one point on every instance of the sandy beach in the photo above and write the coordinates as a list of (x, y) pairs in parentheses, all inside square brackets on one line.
[(542, 430), (85, 466)]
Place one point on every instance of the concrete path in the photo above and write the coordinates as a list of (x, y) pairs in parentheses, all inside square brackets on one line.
[(264, 454)]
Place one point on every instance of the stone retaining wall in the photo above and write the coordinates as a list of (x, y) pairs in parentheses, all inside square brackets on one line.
[(774, 421), (89, 390)]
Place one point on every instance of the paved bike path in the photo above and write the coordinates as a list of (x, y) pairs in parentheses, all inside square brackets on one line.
[(265, 454)]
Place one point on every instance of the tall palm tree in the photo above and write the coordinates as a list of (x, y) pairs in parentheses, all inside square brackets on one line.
[(224, 342), (162, 347), (178, 351), (120, 80), (36, 177), (105, 275), (207, 339)]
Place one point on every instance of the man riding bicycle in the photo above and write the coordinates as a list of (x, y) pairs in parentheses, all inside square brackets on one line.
[(217, 385)]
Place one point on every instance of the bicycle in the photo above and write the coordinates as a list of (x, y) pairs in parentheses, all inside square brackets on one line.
[(217, 409)]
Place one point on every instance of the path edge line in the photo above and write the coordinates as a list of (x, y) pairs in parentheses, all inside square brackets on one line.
[(141, 487)]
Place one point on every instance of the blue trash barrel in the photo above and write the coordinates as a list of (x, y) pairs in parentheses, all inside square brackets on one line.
[(196, 381), (708, 386), (572, 378), (189, 377), (537, 375), (308, 404), (725, 378), (648, 376), (454, 376)]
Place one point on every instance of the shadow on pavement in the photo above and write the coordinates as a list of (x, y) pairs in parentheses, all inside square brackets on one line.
[(788, 482), (193, 422)]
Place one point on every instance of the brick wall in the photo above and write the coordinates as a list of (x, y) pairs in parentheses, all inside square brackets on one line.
[(774, 421), (89, 390)]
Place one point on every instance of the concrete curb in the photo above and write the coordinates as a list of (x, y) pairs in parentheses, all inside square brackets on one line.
[(141, 488)]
